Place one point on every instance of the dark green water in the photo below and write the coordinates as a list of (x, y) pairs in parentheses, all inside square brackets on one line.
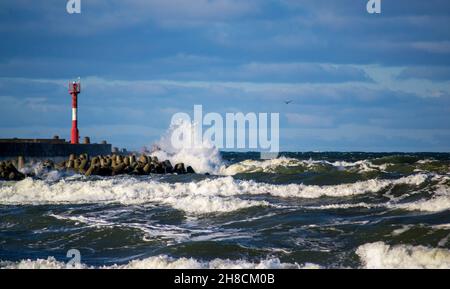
[(328, 210)]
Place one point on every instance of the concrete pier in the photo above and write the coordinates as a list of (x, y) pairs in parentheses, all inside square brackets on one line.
[(48, 148)]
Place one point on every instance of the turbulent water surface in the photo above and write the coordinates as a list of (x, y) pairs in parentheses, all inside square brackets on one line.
[(302, 210)]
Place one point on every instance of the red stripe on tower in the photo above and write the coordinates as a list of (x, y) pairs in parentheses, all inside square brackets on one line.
[(74, 90)]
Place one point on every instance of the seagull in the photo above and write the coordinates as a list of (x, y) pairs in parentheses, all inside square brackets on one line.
[(287, 101)]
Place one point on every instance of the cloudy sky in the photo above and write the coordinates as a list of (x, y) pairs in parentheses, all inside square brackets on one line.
[(358, 81)]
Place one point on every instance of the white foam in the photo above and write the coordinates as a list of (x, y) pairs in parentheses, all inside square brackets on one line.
[(360, 166), (37, 169), (198, 198), (163, 262), (403, 229), (49, 263), (382, 256), (203, 157), (152, 230), (272, 165), (342, 190), (439, 202), (344, 206), (222, 194), (267, 166)]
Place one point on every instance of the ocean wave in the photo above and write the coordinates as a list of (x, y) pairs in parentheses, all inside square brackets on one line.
[(345, 206), (382, 256), (440, 201), (342, 190), (285, 165), (49, 263), (223, 194), (266, 166), (162, 262), (151, 231), (197, 198), (204, 157), (292, 165)]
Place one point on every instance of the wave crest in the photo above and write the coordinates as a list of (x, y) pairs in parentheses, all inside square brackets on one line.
[(163, 262), (222, 194), (382, 256)]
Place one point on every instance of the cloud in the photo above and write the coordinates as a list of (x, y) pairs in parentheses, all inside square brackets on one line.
[(16, 111), (441, 47), (131, 113), (288, 72), (301, 72), (305, 120), (101, 15), (356, 137), (132, 33), (425, 72), (142, 60)]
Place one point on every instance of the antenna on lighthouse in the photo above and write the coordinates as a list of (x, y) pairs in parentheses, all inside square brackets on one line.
[(74, 90)]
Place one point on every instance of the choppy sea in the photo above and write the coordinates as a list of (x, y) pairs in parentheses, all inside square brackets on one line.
[(301, 210)]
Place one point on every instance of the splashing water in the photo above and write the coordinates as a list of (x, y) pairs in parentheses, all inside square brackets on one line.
[(203, 157)]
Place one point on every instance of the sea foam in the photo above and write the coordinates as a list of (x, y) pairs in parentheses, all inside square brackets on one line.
[(382, 256), (163, 262), (203, 157), (197, 198), (283, 163), (440, 201), (222, 194)]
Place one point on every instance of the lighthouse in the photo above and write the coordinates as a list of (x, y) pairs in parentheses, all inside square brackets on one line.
[(74, 90)]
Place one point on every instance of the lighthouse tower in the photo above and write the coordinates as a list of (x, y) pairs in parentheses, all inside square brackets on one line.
[(74, 90)]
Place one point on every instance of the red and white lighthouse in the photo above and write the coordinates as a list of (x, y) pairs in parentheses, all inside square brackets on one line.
[(74, 90)]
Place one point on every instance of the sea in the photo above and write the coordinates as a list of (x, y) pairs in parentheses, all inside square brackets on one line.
[(300, 210)]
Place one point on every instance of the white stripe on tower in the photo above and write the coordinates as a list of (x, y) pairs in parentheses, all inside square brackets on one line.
[(74, 114)]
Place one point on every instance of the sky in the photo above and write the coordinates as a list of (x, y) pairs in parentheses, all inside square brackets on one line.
[(357, 81)]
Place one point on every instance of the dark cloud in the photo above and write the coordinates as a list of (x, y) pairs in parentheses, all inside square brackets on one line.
[(142, 60)]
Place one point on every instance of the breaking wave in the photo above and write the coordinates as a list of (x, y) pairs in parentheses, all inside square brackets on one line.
[(223, 194), (197, 198), (203, 157), (439, 202), (286, 165), (162, 262), (382, 256), (292, 165)]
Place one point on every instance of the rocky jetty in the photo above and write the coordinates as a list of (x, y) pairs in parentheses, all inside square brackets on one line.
[(8, 171), (107, 165), (112, 165)]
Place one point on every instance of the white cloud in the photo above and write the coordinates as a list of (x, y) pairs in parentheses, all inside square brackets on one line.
[(432, 46), (309, 120), (101, 15)]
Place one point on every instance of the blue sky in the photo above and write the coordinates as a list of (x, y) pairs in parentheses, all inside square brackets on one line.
[(358, 81)]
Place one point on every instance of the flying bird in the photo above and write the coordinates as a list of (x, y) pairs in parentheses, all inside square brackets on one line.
[(287, 101)]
